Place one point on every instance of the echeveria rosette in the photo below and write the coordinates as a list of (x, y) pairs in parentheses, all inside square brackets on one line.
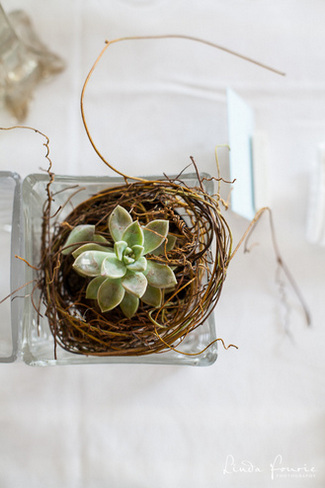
[(122, 275)]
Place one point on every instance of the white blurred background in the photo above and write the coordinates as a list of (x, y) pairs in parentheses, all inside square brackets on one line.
[(150, 106)]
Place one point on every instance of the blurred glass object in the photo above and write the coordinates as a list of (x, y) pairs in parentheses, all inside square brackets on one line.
[(24, 62)]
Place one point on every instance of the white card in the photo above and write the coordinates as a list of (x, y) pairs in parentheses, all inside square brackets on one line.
[(241, 126)]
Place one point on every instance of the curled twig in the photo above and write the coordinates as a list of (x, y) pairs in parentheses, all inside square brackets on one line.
[(282, 265)]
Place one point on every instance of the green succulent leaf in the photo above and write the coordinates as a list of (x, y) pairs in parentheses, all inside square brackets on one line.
[(89, 263), (93, 286), (159, 275), (138, 265), (152, 296), (129, 305), (100, 239), (110, 294), (90, 247), (119, 248), (121, 276), (165, 247), (127, 260), (154, 234), (112, 267), (79, 234), (137, 251), (133, 235), (118, 221), (135, 283)]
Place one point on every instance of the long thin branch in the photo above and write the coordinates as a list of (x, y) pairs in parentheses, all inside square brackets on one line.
[(137, 38), (281, 263)]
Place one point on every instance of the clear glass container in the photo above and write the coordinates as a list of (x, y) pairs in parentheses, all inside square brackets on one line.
[(11, 270), (31, 337), (24, 62)]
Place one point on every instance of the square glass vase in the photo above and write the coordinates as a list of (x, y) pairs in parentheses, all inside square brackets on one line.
[(37, 342), (11, 270)]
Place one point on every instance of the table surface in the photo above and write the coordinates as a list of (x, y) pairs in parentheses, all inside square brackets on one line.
[(256, 417)]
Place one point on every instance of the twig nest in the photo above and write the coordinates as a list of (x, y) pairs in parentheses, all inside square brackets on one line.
[(197, 259)]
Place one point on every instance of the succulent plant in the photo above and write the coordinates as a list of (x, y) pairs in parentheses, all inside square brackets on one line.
[(123, 275)]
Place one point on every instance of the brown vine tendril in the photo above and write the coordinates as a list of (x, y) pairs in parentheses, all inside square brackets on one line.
[(16, 291), (26, 262), (245, 238), (46, 144), (150, 38)]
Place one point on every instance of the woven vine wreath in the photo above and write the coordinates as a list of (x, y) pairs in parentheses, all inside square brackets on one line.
[(198, 261), (134, 269)]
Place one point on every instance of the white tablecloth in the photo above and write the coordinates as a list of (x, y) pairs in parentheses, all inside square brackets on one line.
[(150, 106)]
